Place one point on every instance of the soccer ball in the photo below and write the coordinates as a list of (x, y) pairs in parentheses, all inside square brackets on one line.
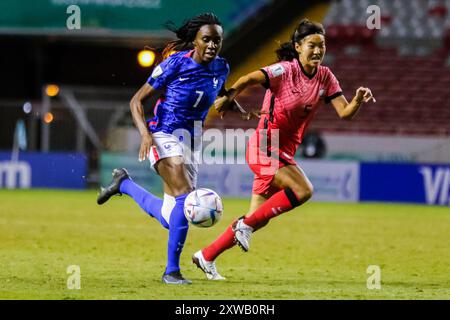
[(203, 208)]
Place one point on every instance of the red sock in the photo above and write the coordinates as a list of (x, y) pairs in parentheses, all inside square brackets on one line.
[(277, 204), (223, 242), (283, 201)]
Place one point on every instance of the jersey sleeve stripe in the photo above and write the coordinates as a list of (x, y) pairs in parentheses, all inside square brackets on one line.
[(333, 96), (267, 83)]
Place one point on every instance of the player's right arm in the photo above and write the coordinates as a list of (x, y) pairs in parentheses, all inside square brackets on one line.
[(223, 104), (137, 111), (161, 76)]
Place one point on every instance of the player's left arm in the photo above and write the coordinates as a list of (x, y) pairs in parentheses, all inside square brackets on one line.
[(228, 100), (347, 110)]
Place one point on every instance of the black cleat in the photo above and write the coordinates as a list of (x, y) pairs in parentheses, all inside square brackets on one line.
[(175, 277), (114, 187)]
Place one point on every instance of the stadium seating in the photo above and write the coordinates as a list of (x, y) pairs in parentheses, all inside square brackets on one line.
[(406, 64)]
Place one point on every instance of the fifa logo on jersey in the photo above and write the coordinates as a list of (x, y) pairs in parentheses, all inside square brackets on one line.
[(215, 83), (321, 93), (157, 72), (277, 70)]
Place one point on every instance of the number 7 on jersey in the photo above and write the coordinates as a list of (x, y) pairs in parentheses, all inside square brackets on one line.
[(200, 95)]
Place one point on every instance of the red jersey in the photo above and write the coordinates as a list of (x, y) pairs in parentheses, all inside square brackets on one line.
[(291, 100)]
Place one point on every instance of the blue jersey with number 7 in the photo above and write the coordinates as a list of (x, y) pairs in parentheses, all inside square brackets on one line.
[(189, 91)]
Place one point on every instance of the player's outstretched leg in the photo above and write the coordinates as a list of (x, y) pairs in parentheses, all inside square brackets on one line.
[(208, 267), (280, 202), (123, 184), (148, 202), (178, 229), (114, 187)]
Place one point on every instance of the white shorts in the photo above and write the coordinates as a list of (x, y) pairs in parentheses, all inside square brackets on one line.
[(169, 145)]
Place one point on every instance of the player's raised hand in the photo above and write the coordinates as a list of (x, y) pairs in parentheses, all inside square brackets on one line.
[(364, 94), (146, 145)]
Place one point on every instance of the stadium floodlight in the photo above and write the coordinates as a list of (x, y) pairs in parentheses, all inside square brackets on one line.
[(146, 58), (48, 118), (52, 90), (27, 107)]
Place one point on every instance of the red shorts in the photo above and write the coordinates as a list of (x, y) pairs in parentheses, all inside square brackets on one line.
[(265, 162)]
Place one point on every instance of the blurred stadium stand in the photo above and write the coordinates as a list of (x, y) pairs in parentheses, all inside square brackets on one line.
[(405, 63)]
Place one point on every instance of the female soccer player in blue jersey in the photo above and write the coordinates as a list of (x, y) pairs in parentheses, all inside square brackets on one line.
[(190, 81)]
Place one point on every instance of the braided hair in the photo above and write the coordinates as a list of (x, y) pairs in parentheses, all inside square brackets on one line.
[(188, 31), (286, 51)]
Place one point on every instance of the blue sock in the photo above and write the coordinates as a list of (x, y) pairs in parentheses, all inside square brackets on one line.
[(147, 201), (178, 229)]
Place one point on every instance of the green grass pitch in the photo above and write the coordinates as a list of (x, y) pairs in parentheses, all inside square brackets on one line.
[(317, 251)]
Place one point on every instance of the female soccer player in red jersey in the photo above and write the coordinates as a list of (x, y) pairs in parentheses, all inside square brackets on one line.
[(295, 87)]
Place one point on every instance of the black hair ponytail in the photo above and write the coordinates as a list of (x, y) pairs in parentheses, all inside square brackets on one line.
[(286, 51)]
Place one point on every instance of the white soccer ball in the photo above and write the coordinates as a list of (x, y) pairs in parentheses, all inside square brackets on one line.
[(203, 208)]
